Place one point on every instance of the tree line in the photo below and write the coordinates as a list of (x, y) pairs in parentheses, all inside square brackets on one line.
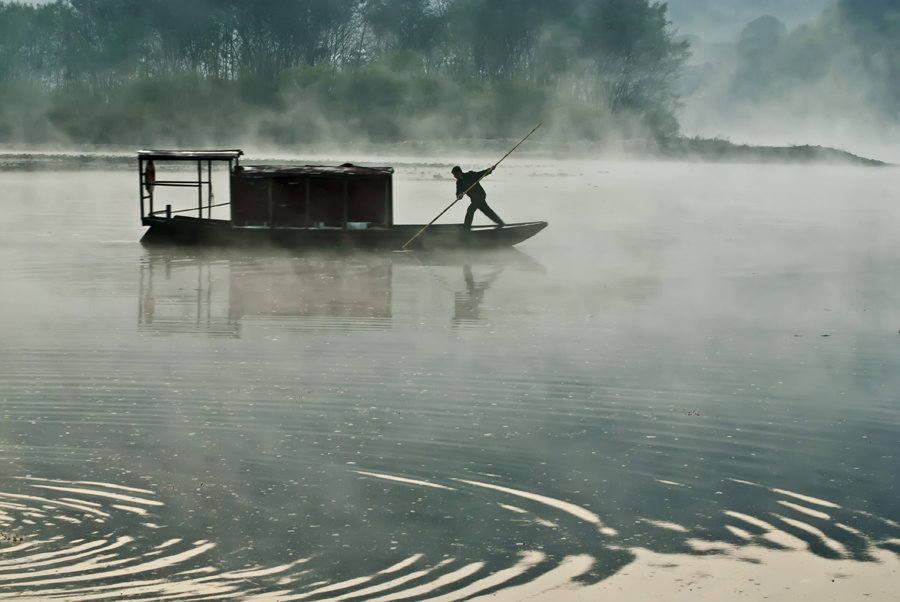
[(295, 70), (843, 67)]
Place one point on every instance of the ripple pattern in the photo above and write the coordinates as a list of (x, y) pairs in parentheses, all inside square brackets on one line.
[(59, 542), (89, 540)]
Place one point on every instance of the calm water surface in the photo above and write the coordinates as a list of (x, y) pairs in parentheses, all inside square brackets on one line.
[(699, 362)]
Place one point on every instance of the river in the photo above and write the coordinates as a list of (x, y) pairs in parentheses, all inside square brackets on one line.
[(686, 385)]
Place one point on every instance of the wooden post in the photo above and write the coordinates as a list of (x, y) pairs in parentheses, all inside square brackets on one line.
[(200, 189), (209, 192), (141, 184)]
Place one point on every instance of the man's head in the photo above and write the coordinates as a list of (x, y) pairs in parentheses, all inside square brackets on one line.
[(456, 171)]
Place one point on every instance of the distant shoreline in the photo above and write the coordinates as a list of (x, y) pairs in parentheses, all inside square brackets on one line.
[(712, 150), (718, 150)]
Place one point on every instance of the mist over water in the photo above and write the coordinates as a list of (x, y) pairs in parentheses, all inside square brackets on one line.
[(768, 72), (686, 383)]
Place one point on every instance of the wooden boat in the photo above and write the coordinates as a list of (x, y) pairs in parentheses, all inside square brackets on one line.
[(304, 206)]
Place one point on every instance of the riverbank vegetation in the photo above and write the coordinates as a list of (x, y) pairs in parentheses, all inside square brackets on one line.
[(293, 71), (284, 73)]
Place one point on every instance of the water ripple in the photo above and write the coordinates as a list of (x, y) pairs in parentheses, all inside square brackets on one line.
[(91, 540)]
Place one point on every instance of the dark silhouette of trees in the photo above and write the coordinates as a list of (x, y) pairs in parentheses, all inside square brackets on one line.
[(505, 59), (875, 29), (852, 52)]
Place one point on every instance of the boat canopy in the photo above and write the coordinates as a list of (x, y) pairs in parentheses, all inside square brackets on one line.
[(149, 182), (311, 196), (345, 196), (347, 170), (190, 155)]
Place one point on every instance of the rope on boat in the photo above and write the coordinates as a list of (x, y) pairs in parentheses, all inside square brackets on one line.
[(191, 208)]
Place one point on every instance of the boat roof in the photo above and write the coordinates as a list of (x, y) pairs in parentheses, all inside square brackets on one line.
[(191, 155), (265, 171), (285, 171)]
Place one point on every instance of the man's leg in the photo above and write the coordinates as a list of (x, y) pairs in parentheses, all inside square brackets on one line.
[(490, 213), (470, 214)]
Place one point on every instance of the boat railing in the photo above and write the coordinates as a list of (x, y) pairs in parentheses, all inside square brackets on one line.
[(169, 212), (203, 182)]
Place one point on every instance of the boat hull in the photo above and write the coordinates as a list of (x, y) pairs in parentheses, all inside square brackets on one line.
[(196, 231)]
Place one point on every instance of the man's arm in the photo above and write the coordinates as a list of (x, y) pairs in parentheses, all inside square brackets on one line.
[(463, 184), (460, 187)]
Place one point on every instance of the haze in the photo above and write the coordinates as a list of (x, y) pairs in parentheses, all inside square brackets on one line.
[(778, 73), (685, 387), (763, 72)]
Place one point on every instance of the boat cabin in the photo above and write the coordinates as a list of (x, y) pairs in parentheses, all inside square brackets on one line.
[(269, 197)]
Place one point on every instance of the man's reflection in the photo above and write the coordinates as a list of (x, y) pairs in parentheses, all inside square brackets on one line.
[(467, 304)]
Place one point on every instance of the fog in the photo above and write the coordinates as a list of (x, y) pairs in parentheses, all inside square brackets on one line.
[(762, 72), (685, 385), (779, 73), (715, 22)]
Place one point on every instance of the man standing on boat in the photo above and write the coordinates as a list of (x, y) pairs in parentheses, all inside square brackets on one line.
[(468, 183)]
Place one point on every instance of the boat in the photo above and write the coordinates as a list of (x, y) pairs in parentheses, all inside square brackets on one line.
[(293, 206)]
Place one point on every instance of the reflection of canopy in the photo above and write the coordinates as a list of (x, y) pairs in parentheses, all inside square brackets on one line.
[(312, 287), (213, 293), (190, 294)]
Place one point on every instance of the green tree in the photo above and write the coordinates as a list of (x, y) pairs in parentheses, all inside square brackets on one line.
[(634, 51), (759, 50), (398, 25), (479, 67), (875, 28)]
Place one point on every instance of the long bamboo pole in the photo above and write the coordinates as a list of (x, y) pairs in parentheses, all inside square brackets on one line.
[(493, 167)]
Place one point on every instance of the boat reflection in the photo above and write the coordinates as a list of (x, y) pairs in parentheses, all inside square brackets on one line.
[(185, 294), (215, 293)]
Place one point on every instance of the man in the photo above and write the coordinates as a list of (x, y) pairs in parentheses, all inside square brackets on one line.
[(477, 195)]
